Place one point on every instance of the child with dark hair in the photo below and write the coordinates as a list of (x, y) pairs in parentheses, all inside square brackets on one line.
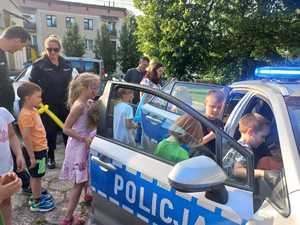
[(186, 130), (35, 141)]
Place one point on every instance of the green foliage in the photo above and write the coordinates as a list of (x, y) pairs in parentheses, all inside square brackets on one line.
[(128, 54), (218, 40), (73, 43), (105, 50)]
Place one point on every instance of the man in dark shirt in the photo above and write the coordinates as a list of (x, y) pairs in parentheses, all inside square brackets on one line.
[(135, 75), (12, 39)]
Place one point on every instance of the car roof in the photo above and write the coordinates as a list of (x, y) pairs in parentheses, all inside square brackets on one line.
[(83, 59), (284, 88)]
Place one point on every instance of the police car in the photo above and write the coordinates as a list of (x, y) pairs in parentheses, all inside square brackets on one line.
[(132, 185)]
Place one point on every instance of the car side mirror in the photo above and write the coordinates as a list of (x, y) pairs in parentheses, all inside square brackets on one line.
[(196, 174)]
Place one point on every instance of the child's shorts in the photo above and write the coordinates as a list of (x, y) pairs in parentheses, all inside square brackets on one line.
[(40, 167)]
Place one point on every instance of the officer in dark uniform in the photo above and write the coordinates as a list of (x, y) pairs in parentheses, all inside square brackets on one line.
[(12, 39), (53, 73)]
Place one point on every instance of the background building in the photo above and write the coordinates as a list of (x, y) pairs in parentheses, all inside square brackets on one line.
[(10, 14), (53, 17)]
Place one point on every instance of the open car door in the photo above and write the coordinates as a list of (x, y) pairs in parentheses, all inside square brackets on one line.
[(135, 185)]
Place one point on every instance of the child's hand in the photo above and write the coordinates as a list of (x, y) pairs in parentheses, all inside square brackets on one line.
[(32, 162), (20, 163), (7, 178), (88, 141), (9, 184)]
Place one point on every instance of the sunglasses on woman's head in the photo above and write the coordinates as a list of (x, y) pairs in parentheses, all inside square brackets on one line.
[(53, 49)]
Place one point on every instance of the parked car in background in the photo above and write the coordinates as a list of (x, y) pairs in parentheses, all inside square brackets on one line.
[(79, 64), (82, 64)]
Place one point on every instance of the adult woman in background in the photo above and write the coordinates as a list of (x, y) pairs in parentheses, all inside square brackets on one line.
[(152, 78), (53, 73)]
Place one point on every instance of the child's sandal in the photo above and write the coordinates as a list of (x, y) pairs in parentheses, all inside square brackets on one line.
[(78, 220), (66, 221), (88, 198)]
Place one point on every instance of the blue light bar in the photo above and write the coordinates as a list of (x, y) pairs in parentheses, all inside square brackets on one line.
[(280, 73)]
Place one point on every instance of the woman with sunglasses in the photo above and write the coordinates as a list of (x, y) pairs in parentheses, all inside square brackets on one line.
[(53, 73)]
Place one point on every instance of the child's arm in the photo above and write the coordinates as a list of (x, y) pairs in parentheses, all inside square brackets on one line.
[(130, 124), (76, 111), (16, 148), (240, 171), (207, 138), (26, 131)]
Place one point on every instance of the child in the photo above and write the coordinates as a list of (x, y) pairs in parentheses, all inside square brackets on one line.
[(254, 128), (8, 139), (272, 162), (186, 130), (35, 141), (123, 118), (213, 103), (10, 183), (81, 129)]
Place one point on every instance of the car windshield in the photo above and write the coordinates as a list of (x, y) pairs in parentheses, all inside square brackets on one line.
[(293, 105)]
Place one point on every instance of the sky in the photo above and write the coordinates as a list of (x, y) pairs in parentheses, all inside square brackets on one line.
[(118, 3)]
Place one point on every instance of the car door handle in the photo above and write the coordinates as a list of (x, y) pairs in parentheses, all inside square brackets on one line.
[(153, 119), (107, 166)]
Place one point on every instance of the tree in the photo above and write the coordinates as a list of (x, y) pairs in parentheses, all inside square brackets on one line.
[(73, 43), (215, 39), (128, 54), (105, 50)]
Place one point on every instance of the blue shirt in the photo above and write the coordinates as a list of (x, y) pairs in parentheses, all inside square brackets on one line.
[(123, 112)]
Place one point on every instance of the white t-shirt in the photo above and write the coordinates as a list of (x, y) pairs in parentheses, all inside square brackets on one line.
[(123, 111), (6, 160)]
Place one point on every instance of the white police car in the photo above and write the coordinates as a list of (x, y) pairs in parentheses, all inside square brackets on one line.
[(132, 185)]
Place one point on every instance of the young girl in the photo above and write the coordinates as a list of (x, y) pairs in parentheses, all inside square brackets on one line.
[(185, 131), (80, 126)]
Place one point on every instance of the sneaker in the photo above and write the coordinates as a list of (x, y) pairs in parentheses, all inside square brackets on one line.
[(51, 164), (42, 206), (46, 197)]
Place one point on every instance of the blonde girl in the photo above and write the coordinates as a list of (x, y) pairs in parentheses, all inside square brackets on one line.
[(80, 126)]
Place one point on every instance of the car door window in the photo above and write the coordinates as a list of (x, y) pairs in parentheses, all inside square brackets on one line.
[(232, 100), (153, 130)]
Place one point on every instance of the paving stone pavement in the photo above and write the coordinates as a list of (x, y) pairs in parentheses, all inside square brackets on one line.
[(60, 191)]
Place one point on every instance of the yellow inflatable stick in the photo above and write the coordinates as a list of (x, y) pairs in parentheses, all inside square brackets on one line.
[(45, 109)]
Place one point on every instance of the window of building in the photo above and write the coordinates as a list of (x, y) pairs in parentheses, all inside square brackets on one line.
[(88, 24), (51, 20), (70, 21), (111, 27), (89, 44)]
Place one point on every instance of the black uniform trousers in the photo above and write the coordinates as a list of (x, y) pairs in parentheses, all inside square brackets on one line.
[(52, 129)]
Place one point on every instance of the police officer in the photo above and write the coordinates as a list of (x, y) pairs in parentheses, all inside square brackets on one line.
[(53, 73), (12, 39)]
